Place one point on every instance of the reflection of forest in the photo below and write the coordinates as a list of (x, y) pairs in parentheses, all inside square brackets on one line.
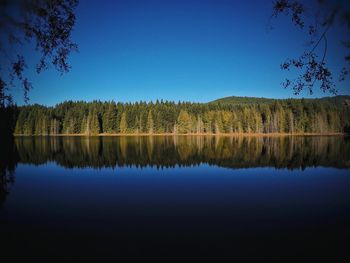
[(167, 151), (8, 161)]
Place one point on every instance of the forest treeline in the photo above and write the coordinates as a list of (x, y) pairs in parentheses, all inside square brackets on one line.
[(252, 116)]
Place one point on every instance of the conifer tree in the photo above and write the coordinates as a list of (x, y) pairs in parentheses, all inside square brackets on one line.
[(109, 119), (136, 128), (94, 123), (199, 125), (150, 122), (184, 122), (123, 126)]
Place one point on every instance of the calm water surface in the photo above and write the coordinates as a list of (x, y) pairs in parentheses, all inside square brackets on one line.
[(176, 198)]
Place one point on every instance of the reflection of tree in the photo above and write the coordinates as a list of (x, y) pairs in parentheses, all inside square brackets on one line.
[(149, 147), (8, 161), (185, 150), (167, 151)]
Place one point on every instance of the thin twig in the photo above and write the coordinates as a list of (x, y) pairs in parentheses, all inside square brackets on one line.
[(322, 36)]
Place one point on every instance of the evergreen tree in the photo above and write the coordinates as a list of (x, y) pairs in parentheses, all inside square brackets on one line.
[(123, 126), (150, 123), (109, 119), (94, 123), (183, 122), (199, 125), (136, 128)]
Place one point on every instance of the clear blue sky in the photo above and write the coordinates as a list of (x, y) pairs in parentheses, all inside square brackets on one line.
[(176, 50)]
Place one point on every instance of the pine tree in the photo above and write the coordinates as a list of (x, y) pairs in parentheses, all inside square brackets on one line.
[(109, 119), (140, 129), (199, 125), (218, 123), (150, 123), (85, 126), (246, 120), (136, 128), (289, 122), (45, 125), (54, 126), (123, 126), (184, 122), (94, 123)]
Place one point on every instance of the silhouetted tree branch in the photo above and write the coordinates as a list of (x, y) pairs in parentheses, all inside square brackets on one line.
[(312, 63), (46, 23)]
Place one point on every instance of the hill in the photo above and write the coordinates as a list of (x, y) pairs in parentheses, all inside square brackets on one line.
[(234, 100)]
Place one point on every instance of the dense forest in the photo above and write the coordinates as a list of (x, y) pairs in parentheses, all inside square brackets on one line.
[(228, 115)]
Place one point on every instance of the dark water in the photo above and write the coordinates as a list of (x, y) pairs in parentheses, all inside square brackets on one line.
[(176, 198)]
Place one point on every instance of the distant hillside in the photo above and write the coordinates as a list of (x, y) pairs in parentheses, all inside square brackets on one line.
[(339, 100), (234, 100), (243, 100)]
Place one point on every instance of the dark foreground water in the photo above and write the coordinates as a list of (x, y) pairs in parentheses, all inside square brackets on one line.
[(176, 198)]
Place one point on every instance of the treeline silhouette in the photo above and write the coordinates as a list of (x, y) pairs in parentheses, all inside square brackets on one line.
[(292, 152), (248, 115)]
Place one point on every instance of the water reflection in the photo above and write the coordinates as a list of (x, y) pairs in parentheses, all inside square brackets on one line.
[(168, 151), (137, 214), (8, 162)]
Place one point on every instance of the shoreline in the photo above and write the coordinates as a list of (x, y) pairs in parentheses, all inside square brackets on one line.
[(186, 134)]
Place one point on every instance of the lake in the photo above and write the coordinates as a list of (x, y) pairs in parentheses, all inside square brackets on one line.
[(176, 198)]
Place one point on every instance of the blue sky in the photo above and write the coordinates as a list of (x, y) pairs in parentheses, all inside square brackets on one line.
[(176, 50)]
